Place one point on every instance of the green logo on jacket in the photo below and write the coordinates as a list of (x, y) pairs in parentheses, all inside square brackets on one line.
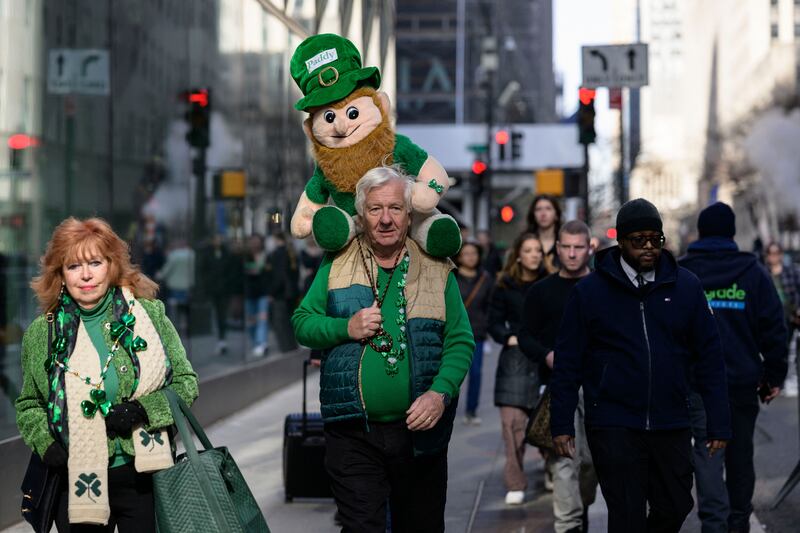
[(729, 298)]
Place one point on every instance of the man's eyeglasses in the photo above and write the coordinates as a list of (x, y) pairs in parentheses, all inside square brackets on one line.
[(640, 241)]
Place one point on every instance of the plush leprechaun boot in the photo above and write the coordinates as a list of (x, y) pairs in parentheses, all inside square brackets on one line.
[(437, 234), (333, 228)]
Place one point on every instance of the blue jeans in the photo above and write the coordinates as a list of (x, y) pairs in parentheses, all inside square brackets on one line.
[(713, 507), (726, 504), (474, 380), (256, 312)]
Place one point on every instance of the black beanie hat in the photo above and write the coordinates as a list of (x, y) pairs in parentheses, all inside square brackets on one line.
[(637, 215), (716, 220)]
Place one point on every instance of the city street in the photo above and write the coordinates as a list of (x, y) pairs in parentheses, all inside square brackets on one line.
[(475, 490)]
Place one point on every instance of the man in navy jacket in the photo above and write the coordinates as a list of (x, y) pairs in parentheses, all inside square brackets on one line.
[(751, 323), (630, 334)]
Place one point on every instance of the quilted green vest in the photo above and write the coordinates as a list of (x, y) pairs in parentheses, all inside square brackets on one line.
[(348, 292)]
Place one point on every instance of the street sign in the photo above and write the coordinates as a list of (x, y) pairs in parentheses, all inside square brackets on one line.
[(619, 65), (81, 71)]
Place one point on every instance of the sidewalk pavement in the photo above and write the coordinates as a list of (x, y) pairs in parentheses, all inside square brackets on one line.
[(476, 458)]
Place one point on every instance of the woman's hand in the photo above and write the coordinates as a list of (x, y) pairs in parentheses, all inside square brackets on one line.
[(512, 341), (55, 456), (122, 417)]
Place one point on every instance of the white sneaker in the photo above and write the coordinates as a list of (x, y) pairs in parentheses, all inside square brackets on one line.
[(222, 347), (259, 350), (515, 497), (476, 421)]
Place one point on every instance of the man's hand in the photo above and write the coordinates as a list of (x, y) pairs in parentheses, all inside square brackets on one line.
[(365, 323), (714, 446), (565, 445), (425, 412), (773, 393), (550, 358)]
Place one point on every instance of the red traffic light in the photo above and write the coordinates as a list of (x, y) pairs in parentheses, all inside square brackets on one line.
[(586, 96), (20, 141), (199, 97), (478, 167), (506, 213), (501, 137), (611, 233)]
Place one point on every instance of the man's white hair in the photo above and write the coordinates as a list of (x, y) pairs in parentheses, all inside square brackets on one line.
[(378, 177)]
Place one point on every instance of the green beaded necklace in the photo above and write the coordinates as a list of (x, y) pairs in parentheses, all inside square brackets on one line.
[(382, 341)]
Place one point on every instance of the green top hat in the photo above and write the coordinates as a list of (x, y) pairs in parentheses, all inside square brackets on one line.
[(327, 67)]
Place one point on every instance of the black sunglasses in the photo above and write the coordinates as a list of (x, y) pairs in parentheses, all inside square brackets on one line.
[(640, 241)]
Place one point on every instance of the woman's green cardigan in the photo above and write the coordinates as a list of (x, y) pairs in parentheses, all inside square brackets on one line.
[(32, 402)]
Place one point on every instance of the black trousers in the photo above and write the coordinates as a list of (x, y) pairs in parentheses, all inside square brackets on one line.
[(637, 468), (130, 495), (369, 468)]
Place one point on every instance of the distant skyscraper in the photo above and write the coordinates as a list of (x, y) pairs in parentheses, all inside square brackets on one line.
[(439, 79)]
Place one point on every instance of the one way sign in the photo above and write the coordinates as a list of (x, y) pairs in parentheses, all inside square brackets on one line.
[(620, 65)]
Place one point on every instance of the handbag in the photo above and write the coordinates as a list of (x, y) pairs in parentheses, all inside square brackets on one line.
[(40, 494), (204, 490), (538, 431)]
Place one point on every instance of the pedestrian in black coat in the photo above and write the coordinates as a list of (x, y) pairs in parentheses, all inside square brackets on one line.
[(750, 318), (631, 334), (516, 383)]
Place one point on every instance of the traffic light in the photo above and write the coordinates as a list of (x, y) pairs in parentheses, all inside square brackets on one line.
[(501, 138), (478, 167), (507, 213), (516, 144), (199, 117), (17, 143), (586, 133)]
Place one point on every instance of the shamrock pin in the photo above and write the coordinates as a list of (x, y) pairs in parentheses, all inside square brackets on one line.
[(436, 187), (139, 344), (98, 401), (89, 484), (128, 319), (151, 438), (116, 329)]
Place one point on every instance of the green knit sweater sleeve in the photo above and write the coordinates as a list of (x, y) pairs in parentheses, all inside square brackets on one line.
[(31, 405), (459, 342), (312, 325), (184, 378)]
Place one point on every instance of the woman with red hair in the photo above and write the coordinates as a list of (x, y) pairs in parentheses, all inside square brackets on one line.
[(95, 365)]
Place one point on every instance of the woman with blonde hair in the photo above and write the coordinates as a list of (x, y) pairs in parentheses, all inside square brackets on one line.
[(516, 382), (95, 365)]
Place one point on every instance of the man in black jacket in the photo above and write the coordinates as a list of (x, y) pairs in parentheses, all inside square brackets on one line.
[(630, 332), (574, 480), (749, 315)]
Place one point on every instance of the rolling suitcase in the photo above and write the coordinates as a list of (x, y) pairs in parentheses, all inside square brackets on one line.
[(304, 474)]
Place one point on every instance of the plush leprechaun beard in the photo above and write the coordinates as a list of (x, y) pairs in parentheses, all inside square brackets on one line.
[(343, 167)]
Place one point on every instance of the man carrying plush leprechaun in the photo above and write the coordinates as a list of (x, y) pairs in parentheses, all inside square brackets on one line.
[(350, 131)]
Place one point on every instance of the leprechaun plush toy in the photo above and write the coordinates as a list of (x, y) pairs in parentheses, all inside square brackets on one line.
[(350, 131)]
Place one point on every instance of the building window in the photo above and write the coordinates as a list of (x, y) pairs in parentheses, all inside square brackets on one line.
[(774, 31), (797, 30)]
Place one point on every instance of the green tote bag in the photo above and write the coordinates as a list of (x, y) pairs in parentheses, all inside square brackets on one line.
[(204, 490)]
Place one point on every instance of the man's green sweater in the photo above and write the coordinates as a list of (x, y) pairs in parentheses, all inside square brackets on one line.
[(386, 398)]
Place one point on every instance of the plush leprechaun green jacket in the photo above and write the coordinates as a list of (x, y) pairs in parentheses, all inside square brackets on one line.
[(440, 339), (32, 402)]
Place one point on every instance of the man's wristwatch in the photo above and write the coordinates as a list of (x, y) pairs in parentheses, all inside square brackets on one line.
[(446, 399)]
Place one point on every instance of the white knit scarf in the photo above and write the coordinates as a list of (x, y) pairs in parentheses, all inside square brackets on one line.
[(88, 444)]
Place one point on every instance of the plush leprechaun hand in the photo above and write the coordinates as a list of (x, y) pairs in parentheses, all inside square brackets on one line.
[(432, 182)]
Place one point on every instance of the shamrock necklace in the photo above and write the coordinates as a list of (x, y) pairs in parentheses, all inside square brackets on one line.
[(122, 334), (382, 341)]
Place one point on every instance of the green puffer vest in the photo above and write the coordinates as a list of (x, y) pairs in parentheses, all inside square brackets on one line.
[(348, 292)]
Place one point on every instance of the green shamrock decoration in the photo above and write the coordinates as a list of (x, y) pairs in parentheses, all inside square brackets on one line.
[(89, 484), (151, 439)]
